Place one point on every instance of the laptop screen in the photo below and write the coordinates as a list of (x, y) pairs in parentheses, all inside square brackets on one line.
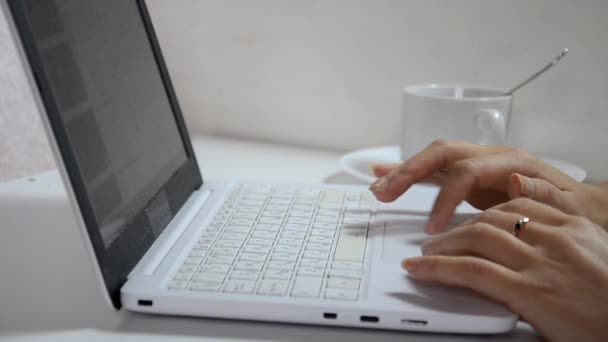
[(115, 118)]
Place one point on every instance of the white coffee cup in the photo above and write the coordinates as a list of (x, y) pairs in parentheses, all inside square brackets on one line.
[(453, 112)]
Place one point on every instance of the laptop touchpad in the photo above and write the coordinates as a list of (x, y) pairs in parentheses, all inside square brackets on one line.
[(402, 239)]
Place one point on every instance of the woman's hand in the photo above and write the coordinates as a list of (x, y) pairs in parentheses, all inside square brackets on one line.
[(486, 176), (554, 274)]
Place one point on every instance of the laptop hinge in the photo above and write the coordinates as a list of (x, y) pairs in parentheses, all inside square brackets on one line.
[(172, 233)]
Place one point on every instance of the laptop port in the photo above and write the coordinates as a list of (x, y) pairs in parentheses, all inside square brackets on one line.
[(144, 302), (416, 322), (330, 315), (370, 319)]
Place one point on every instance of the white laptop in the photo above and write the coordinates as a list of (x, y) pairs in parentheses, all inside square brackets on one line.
[(167, 242)]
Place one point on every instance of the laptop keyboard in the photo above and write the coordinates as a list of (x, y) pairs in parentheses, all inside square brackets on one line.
[(273, 241)]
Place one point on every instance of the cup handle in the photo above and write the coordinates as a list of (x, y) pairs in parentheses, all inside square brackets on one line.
[(492, 126)]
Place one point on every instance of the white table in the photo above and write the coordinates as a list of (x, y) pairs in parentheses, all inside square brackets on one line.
[(47, 287)]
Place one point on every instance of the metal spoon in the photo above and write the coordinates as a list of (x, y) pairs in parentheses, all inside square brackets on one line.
[(539, 72)]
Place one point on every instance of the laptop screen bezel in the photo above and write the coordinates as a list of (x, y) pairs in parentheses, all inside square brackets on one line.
[(117, 262)]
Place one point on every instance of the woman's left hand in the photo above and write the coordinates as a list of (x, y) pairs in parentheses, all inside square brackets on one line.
[(554, 273)]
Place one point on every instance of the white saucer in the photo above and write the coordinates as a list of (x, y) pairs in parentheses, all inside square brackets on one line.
[(359, 163)]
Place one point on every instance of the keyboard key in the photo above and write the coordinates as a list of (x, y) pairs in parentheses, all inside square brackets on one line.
[(215, 268), (311, 271), (241, 222), (178, 285), (332, 196), (253, 257), (284, 256), (323, 232), (249, 265), (262, 242), (298, 220), (221, 259), (318, 263), (198, 253), (271, 220), (210, 277), (193, 260), (355, 274), (273, 287), (343, 283), (341, 294), (351, 246), (234, 236), (237, 229), (183, 276), (257, 249), (296, 227), (293, 234), (316, 255), (225, 251), (278, 274), (333, 220), (290, 241), (273, 213), (239, 286), (307, 287), (267, 227), (264, 234), (277, 207), (281, 265), (187, 269), (324, 225), (301, 213), (241, 274), (323, 247), (349, 265), (229, 243), (245, 216), (320, 239), (211, 286), (287, 249)]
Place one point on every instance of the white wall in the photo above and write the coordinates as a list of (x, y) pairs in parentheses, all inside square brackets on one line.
[(329, 73), (23, 147)]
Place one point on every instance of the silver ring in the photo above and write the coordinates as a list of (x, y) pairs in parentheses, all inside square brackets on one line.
[(519, 225)]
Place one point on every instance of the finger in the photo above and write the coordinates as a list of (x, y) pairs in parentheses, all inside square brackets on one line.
[(530, 233), (536, 211), (542, 191), (485, 172), (433, 158), (380, 170), (485, 241), (483, 276)]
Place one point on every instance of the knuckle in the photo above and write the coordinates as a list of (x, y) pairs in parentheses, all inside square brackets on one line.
[(477, 270), (522, 154), (578, 222), (520, 203), (466, 167), (478, 231), (440, 143), (560, 240), (488, 215)]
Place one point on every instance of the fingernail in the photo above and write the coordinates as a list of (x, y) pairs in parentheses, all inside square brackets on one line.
[(379, 185), (411, 265), (525, 186)]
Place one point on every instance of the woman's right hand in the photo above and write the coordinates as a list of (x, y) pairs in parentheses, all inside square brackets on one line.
[(486, 176)]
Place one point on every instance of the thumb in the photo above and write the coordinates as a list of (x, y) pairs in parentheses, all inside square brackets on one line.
[(536, 189)]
